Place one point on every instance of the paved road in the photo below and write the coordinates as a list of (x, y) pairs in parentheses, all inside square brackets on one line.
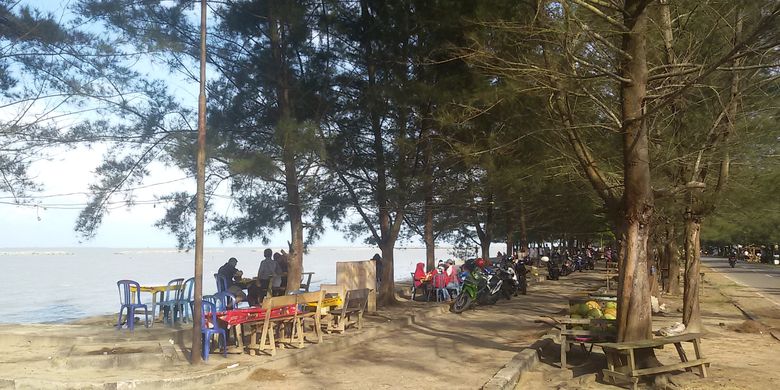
[(764, 278)]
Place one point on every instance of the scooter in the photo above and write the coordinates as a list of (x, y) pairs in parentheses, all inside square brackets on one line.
[(732, 261)]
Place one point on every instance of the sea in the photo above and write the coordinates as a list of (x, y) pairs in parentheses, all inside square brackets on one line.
[(57, 285)]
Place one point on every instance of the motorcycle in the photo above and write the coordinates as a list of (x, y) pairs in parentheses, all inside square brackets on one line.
[(520, 272), (589, 263), (732, 261), (506, 273), (566, 267), (553, 272), (578, 263), (478, 287)]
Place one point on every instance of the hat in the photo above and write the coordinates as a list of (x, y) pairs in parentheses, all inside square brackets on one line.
[(545, 259)]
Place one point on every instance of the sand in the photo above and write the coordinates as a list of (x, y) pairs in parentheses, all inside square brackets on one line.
[(437, 350)]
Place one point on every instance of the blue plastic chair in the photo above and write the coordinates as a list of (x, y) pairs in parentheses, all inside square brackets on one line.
[(209, 298), (222, 282), (171, 300), (186, 298), (126, 301), (210, 311), (224, 301)]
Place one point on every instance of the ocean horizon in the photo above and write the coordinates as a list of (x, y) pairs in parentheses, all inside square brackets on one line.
[(61, 284)]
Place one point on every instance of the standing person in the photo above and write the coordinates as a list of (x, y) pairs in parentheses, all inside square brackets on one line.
[(230, 273), (378, 262), (280, 259)]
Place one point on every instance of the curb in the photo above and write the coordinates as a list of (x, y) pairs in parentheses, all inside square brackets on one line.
[(209, 378), (507, 377)]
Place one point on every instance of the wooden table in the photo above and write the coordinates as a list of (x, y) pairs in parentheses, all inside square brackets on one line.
[(621, 357), (567, 335), (154, 290)]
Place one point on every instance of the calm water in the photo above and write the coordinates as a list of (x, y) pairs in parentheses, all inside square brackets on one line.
[(56, 285)]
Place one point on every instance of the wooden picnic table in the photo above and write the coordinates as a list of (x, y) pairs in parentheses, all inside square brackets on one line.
[(567, 334), (621, 357)]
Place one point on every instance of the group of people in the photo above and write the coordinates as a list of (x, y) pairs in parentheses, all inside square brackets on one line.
[(272, 272), (449, 282)]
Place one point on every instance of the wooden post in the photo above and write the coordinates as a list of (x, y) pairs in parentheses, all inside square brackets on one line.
[(200, 212)]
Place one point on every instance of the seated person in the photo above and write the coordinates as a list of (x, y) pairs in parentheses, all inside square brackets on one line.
[(267, 271), (231, 274), (453, 280)]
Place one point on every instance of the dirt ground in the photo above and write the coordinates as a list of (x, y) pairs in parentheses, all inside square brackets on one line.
[(443, 351), (742, 352)]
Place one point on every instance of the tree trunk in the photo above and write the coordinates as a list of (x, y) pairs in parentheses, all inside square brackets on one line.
[(523, 229), (295, 257), (484, 234), (387, 295), (430, 243), (634, 314), (428, 236), (691, 312), (671, 258), (285, 128)]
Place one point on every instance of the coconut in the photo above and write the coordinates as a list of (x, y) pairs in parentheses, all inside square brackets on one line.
[(594, 313)]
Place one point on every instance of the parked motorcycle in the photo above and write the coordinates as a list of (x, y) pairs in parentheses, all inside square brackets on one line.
[(479, 287), (579, 264), (506, 273), (590, 263), (566, 267), (520, 273), (553, 272)]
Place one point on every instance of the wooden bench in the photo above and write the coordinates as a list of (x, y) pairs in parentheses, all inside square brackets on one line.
[(313, 302), (621, 360), (355, 303)]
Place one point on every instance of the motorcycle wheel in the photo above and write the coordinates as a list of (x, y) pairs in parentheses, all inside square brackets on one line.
[(508, 294), (462, 302)]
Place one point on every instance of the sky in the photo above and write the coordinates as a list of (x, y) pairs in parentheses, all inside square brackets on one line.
[(66, 175), (51, 225)]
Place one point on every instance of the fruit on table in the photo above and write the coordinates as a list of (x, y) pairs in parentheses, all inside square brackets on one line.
[(595, 313), (593, 305)]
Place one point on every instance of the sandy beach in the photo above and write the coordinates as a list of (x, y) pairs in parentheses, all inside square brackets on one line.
[(400, 347)]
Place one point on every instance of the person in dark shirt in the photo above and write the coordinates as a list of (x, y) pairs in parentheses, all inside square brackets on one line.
[(230, 273), (378, 259)]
